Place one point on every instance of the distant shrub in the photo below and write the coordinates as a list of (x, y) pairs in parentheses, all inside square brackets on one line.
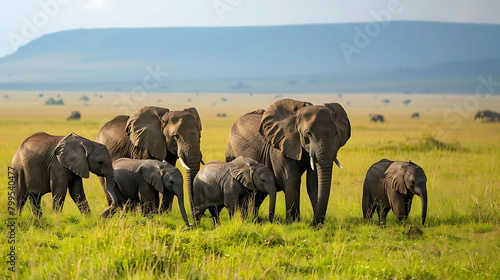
[(427, 142), (406, 102), (52, 101)]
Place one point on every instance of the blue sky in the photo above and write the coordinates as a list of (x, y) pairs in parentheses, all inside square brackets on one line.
[(23, 21)]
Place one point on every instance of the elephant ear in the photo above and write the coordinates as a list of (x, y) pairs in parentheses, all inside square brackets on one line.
[(242, 169), (342, 122), (145, 130), (394, 176), (151, 173), (193, 111), (72, 152), (278, 126)]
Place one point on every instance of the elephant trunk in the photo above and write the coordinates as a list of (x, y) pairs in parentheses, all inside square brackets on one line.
[(324, 185), (423, 198), (272, 205), (110, 183), (193, 163), (180, 200)]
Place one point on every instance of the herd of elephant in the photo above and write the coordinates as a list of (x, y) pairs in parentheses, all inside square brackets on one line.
[(267, 151)]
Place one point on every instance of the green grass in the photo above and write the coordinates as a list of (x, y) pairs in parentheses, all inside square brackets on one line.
[(460, 240)]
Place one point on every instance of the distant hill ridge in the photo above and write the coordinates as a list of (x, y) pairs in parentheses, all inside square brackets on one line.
[(403, 56)]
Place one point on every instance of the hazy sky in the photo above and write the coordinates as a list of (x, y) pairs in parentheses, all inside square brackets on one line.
[(23, 21)]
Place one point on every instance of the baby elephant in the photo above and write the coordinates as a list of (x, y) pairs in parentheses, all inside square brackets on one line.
[(220, 184), (139, 182), (391, 185)]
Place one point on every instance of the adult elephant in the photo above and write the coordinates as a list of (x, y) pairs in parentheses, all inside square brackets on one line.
[(46, 163), (156, 133), (292, 137)]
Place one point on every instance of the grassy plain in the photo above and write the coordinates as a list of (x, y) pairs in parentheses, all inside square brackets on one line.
[(460, 240)]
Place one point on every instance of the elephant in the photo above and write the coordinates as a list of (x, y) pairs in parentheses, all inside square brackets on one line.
[(139, 182), (232, 185), (47, 163), (391, 185), (487, 116), (415, 115), (377, 118), (75, 115), (292, 137), (156, 133)]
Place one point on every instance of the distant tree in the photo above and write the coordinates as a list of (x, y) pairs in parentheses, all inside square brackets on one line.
[(85, 99), (386, 101), (6, 96), (340, 95), (40, 95), (406, 102), (189, 99), (224, 99)]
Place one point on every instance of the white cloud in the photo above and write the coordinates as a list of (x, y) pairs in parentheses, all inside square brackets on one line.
[(96, 5)]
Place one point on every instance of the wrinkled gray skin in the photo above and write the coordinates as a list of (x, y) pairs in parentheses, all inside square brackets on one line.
[(156, 133), (45, 163), (75, 115), (231, 185), (139, 182), (391, 185), (292, 137), (376, 118)]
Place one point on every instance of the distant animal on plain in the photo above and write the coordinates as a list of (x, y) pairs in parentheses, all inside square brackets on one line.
[(392, 185), (487, 116), (377, 118), (415, 115), (75, 115)]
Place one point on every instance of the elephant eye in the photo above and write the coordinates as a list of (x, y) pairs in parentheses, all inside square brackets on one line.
[(171, 182), (413, 182), (100, 162), (306, 140)]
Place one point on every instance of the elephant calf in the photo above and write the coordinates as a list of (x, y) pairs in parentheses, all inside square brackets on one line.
[(46, 163), (220, 184), (391, 185), (139, 182)]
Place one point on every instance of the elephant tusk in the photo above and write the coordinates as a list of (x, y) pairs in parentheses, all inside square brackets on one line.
[(184, 164), (337, 162), (312, 162), (203, 162)]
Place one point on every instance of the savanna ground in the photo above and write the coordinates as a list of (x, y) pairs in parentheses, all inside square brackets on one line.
[(460, 239)]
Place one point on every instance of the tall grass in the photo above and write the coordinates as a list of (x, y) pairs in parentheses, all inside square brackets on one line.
[(460, 240)]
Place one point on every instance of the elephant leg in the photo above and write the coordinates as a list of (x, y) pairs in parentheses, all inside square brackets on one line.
[(408, 205), (399, 208), (166, 202), (244, 204), (36, 200), (383, 215), (59, 187), (312, 188), (292, 199), (58, 198), (77, 193), (214, 210), (258, 198), (198, 213)]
